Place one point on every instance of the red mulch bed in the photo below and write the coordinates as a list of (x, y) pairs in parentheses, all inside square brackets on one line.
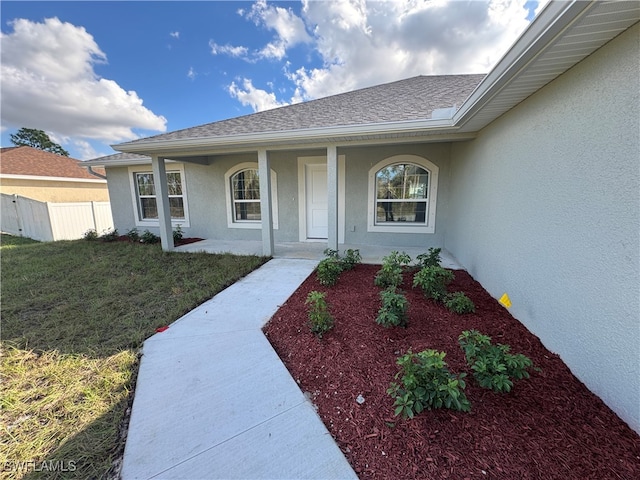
[(548, 427), (182, 241), (186, 241)]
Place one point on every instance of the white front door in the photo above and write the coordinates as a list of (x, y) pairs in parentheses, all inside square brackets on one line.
[(316, 200)]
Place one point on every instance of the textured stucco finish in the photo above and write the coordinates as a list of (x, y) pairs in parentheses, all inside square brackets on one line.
[(545, 205), (358, 163), (207, 202)]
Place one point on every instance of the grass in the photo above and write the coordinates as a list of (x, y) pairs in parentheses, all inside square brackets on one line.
[(74, 315)]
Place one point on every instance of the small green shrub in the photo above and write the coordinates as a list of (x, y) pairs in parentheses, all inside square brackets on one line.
[(177, 234), (493, 366), (433, 281), (351, 258), (330, 268), (394, 308), (133, 235), (389, 275), (459, 303), (148, 237), (320, 320), (427, 383), (331, 253), (109, 235), (402, 259), (328, 271), (90, 235), (393, 265), (430, 259)]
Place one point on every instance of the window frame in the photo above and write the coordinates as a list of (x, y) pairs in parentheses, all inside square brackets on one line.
[(136, 197), (230, 201), (431, 200)]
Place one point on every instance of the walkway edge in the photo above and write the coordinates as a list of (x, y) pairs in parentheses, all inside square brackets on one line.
[(213, 400)]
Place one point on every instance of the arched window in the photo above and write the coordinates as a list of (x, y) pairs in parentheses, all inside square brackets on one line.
[(242, 186), (401, 194), (245, 187), (402, 191)]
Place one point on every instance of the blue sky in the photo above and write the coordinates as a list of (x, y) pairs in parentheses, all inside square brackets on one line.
[(93, 74)]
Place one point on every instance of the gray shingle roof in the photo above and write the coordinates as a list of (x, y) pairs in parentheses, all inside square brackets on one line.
[(410, 99), (124, 156)]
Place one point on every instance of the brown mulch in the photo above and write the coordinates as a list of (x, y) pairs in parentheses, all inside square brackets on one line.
[(548, 427)]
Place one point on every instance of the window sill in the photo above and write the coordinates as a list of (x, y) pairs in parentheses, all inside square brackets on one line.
[(249, 225), (401, 228)]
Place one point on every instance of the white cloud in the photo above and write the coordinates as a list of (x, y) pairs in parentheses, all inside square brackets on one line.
[(258, 99), (227, 50), (289, 28), (191, 73), (363, 43), (366, 43), (86, 151), (289, 31), (48, 82), (175, 34)]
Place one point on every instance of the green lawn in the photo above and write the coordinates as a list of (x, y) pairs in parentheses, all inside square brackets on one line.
[(74, 315)]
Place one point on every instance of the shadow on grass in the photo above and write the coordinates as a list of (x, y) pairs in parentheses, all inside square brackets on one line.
[(75, 457)]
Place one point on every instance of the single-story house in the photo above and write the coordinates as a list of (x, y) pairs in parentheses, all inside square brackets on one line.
[(529, 176), (48, 177)]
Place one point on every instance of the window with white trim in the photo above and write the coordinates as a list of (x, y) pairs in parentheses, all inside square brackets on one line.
[(245, 188), (402, 195), (144, 192), (242, 185)]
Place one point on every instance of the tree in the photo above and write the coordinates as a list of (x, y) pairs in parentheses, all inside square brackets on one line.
[(31, 137)]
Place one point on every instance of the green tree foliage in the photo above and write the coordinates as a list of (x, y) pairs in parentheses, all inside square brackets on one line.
[(31, 137)]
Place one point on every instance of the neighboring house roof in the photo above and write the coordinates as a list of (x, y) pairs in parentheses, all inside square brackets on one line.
[(31, 162), (562, 35)]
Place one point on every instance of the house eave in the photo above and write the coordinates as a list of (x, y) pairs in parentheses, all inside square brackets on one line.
[(542, 54), (41, 178), (119, 163), (303, 137)]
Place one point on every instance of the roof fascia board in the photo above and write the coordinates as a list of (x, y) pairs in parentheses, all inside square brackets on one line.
[(185, 155), (124, 162), (556, 17), (9, 176), (283, 137)]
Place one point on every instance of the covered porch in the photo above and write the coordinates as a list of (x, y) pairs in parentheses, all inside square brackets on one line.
[(371, 254)]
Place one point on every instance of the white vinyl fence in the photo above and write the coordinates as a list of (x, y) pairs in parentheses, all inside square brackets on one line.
[(46, 222)]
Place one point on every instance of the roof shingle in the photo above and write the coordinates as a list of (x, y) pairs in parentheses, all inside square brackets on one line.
[(31, 161), (410, 99)]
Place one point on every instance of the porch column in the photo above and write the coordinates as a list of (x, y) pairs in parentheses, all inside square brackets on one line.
[(332, 196), (264, 172), (162, 202)]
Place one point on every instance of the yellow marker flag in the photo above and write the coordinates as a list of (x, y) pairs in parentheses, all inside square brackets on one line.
[(505, 301)]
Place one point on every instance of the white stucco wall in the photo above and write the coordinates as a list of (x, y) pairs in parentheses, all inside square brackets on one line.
[(358, 163), (545, 205)]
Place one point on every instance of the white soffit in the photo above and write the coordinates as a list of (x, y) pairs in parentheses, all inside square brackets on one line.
[(598, 24)]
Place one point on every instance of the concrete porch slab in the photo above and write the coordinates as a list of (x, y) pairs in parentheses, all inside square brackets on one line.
[(371, 254)]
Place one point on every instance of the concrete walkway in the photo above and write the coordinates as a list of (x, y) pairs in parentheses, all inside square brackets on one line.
[(214, 401)]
